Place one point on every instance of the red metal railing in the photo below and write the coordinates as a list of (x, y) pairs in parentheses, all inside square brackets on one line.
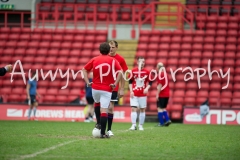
[(86, 15), (227, 9)]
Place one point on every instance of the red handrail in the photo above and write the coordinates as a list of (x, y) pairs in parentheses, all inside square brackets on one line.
[(135, 13)]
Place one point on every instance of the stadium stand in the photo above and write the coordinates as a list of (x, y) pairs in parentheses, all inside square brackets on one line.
[(42, 50), (216, 37)]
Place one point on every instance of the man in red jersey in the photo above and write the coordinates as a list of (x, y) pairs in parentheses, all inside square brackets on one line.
[(103, 81), (118, 92), (162, 95), (139, 85)]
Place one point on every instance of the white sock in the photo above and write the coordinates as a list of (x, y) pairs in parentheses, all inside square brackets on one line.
[(134, 117), (29, 113), (141, 118), (34, 111)]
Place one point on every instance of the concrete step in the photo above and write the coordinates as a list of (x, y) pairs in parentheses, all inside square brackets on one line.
[(120, 42), (131, 47)]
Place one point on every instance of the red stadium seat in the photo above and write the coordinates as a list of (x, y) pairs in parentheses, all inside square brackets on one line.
[(165, 39), (142, 47), (66, 45), (14, 37), (153, 46), (74, 92), (209, 40), (162, 54), (196, 54), (222, 25), (36, 37), (18, 90), (236, 87), (235, 103), (176, 115), (189, 101), (210, 32), (233, 26), (207, 55), (177, 32), (47, 37), (199, 33), (226, 102), (176, 107), (173, 54), (172, 61), (25, 37), (230, 55), (176, 39), (61, 99), (49, 99), (44, 45), (191, 93), (178, 93), (221, 32), (236, 78), (175, 46), (186, 47), (57, 37), (15, 98), (191, 85), (152, 39), (63, 92), (198, 40), (205, 84), (180, 85), (183, 62), (187, 39), (232, 33), (75, 53), (78, 38), (185, 54), (197, 47), (217, 62)]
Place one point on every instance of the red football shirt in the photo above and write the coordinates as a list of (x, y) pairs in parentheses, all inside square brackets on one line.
[(140, 79), (122, 63), (166, 91), (102, 71)]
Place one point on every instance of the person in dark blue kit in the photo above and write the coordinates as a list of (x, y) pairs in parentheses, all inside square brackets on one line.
[(162, 96), (31, 96), (4, 70), (90, 101)]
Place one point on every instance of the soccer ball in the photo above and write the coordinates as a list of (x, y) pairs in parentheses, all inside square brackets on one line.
[(96, 133)]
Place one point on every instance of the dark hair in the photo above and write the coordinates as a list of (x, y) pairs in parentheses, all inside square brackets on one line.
[(140, 58), (114, 42), (104, 48)]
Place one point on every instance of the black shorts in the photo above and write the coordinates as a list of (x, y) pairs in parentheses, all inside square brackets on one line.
[(114, 97), (33, 99), (162, 102), (90, 100)]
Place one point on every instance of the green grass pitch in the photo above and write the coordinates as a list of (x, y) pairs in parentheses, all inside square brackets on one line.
[(20, 140)]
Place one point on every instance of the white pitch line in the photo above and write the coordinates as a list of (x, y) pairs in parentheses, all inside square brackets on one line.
[(45, 150), (59, 145)]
